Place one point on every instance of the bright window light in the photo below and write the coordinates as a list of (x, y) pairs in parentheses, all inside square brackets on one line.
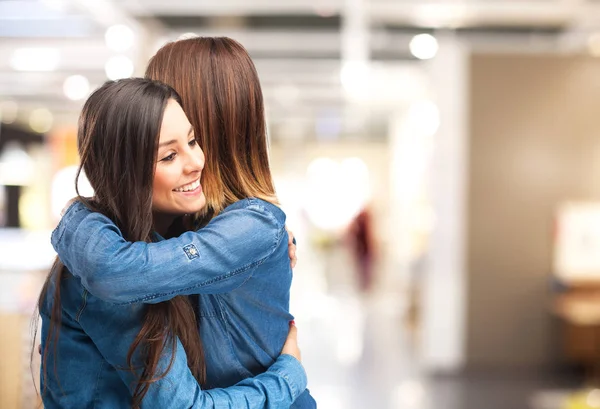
[(16, 166), (119, 37), (424, 117), (76, 87), (40, 120), (355, 78), (8, 111), (63, 188), (35, 59), (118, 67), (409, 394), (186, 36), (337, 191), (594, 44)]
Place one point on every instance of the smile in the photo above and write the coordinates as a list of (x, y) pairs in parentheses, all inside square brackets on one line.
[(189, 187)]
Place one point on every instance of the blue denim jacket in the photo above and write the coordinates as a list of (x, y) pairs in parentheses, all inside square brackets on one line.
[(238, 264), (91, 368)]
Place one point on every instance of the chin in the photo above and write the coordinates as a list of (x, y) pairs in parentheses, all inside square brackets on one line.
[(199, 205)]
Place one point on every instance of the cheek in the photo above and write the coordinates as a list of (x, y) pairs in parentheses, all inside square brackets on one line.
[(163, 183)]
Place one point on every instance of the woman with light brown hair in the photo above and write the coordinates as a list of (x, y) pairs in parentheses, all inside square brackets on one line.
[(234, 265)]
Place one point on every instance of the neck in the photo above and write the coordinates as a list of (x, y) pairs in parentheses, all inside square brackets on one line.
[(162, 221)]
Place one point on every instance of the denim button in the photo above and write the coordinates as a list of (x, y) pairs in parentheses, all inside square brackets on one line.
[(191, 251)]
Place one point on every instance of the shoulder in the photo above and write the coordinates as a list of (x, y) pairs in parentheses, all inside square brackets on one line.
[(251, 226), (73, 210), (254, 207)]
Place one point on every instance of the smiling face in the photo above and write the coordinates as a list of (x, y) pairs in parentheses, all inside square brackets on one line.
[(179, 164)]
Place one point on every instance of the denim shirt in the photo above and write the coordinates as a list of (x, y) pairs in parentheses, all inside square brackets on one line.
[(238, 264), (91, 371)]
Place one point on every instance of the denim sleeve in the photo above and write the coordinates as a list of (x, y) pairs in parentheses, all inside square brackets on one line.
[(216, 259), (278, 387)]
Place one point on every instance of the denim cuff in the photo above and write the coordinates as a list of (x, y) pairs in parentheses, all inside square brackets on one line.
[(290, 369)]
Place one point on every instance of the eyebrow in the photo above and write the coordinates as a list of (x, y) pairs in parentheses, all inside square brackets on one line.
[(172, 141)]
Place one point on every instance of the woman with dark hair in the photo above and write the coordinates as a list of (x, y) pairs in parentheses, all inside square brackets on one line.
[(141, 156), (237, 260)]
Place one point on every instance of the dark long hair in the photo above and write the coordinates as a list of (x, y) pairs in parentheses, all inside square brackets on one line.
[(222, 97), (117, 139)]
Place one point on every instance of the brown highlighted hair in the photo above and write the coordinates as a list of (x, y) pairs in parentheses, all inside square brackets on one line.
[(119, 129), (222, 97)]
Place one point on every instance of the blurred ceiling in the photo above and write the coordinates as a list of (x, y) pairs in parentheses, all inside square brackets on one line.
[(299, 46)]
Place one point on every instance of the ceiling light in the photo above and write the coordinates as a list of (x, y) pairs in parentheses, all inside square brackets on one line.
[(424, 46)]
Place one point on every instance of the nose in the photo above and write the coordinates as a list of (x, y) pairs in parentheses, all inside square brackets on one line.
[(194, 160)]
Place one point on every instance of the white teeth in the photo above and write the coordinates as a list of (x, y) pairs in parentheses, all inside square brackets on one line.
[(189, 187)]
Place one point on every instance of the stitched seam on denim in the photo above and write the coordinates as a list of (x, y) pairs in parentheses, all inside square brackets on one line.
[(203, 284), (222, 310), (244, 282), (259, 204), (61, 222), (85, 295), (286, 376), (96, 390), (290, 383), (241, 369), (235, 206), (256, 205), (202, 313), (208, 314)]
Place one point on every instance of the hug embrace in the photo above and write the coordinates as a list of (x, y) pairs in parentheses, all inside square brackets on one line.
[(172, 283)]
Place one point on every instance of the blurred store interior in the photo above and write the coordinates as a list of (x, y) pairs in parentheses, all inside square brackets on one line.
[(457, 141)]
